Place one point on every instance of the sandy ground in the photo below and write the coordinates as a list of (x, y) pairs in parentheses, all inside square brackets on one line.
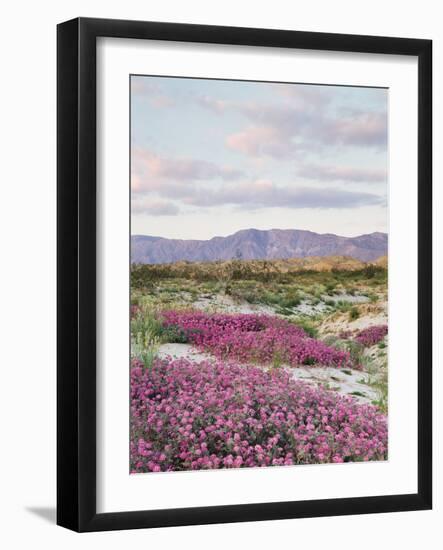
[(345, 382), (226, 304), (183, 351), (348, 298), (371, 315)]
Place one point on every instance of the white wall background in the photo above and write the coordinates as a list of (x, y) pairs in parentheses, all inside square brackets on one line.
[(27, 290)]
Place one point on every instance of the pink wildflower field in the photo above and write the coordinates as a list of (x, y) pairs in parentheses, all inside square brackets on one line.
[(206, 415), (258, 338), (237, 409), (372, 335)]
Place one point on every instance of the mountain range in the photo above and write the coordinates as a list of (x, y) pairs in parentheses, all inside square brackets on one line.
[(255, 244)]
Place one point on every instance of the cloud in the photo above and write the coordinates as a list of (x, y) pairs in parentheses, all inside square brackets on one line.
[(307, 95), (356, 128), (258, 141), (218, 106), (258, 194), (154, 207), (150, 170), (164, 188), (304, 122), (342, 173), (200, 183), (151, 91), (288, 118), (301, 98), (280, 134), (265, 194)]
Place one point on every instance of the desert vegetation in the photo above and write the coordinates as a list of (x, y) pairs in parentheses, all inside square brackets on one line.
[(258, 363)]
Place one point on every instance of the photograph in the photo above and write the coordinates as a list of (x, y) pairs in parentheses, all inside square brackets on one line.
[(230, 299), (259, 274)]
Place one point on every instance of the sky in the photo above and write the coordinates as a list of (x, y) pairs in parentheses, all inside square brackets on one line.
[(212, 157)]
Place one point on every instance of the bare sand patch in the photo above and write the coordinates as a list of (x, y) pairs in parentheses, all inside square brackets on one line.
[(348, 382), (222, 303), (183, 351), (369, 315)]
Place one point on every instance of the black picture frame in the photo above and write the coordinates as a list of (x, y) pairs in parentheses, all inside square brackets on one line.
[(76, 279)]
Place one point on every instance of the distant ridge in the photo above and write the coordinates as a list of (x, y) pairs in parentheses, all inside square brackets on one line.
[(255, 244)]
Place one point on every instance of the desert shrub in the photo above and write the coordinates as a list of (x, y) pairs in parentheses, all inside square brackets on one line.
[(292, 300), (358, 394), (146, 320), (144, 347), (270, 298), (370, 271), (190, 416), (284, 311), (174, 334), (380, 384), (354, 314), (330, 287), (343, 305), (307, 326), (145, 275), (354, 349)]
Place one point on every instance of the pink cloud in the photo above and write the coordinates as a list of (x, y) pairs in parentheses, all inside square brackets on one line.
[(152, 92), (149, 170), (304, 119), (280, 133), (136, 183), (257, 141)]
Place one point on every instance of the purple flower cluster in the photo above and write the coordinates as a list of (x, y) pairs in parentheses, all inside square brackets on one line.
[(135, 310), (372, 335), (190, 416), (253, 338)]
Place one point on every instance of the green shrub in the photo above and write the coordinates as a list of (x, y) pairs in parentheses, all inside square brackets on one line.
[(146, 322), (307, 326), (354, 314), (174, 334), (290, 301), (358, 394), (145, 346)]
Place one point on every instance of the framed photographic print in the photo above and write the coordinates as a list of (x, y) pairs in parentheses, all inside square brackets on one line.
[(244, 274)]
